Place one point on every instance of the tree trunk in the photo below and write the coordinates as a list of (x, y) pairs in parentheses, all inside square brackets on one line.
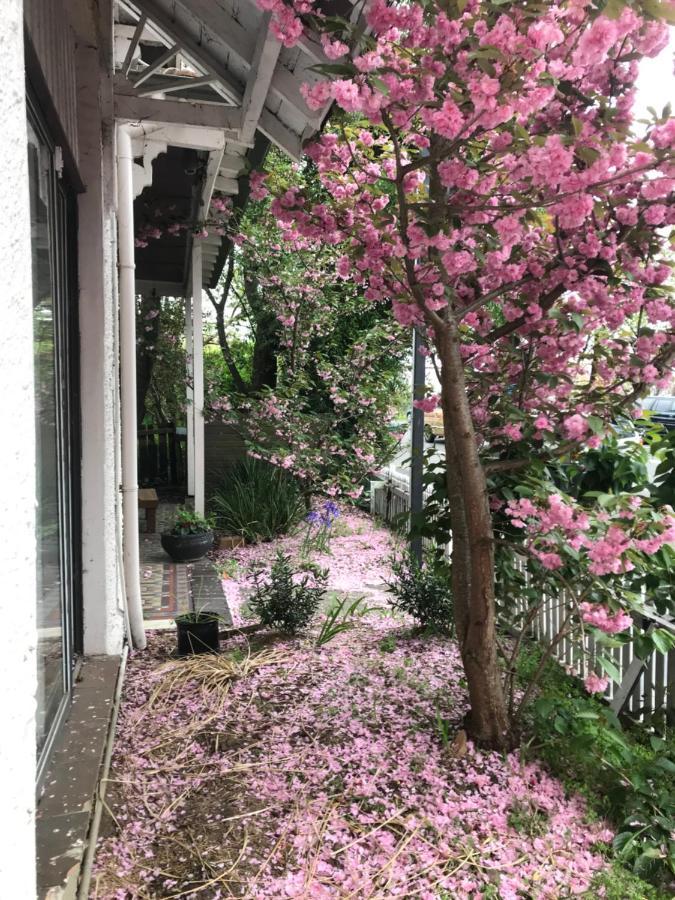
[(472, 554)]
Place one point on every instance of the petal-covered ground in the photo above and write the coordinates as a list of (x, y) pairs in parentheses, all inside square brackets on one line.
[(328, 773)]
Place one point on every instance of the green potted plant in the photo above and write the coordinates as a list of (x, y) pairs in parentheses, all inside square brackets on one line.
[(197, 632), (191, 537)]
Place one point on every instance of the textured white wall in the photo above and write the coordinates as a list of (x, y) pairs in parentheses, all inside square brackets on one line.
[(17, 465), (103, 618)]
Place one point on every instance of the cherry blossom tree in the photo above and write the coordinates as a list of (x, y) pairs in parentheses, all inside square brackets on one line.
[(490, 182)]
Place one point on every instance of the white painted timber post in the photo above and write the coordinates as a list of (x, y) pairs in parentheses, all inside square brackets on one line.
[(198, 375), (189, 395)]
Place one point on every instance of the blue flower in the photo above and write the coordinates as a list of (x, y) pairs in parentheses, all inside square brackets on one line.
[(331, 509)]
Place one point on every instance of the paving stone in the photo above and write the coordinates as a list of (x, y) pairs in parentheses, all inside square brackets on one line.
[(64, 809)]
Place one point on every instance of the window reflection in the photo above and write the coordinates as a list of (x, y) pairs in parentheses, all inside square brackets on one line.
[(50, 581)]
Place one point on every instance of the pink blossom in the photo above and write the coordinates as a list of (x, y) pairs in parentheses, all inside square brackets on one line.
[(257, 182), (596, 42), (575, 427), (427, 404), (596, 684)]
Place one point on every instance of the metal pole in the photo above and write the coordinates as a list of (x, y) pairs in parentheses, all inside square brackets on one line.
[(417, 445), (189, 395), (198, 376)]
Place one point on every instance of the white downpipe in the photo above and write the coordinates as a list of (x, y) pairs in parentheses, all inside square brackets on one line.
[(127, 300), (189, 395), (198, 374)]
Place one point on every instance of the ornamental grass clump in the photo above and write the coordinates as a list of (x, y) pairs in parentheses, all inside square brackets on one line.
[(422, 591), (257, 501), (289, 596)]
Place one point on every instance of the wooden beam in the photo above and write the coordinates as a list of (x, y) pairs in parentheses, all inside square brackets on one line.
[(178, 112), (286, 86), (175, 85), (221, 24), (260, 75), (227, 185), (157, 65), (280, 135), (157, 84), (191, 49), (212, 169), (232, 165), (128, 59)]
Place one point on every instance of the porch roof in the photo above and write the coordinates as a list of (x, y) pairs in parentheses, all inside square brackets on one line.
[(209, 66)]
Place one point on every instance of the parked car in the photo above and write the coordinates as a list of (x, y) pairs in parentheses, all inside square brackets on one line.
[(662, 410)]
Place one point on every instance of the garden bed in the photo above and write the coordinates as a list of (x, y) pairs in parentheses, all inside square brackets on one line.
[(284, 770)]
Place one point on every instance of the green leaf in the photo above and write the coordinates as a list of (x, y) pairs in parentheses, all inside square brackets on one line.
[(610, 669), (333, 69), (666, 764), (623, 842), (596, 424), (587, 154), (663, 640), (577, 125), (380, 85), (642, 646), (657, 743)]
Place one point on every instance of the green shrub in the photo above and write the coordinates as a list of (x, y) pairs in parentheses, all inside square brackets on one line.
[(257, 501), (422, 591), (288, 597), (190, 522), (626, 774)]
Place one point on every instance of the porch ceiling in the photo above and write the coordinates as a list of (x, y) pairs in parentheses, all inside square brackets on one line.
[(212, 64)]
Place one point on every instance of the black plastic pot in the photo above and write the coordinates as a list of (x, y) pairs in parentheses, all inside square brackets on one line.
[(197, 634), (187, 547)]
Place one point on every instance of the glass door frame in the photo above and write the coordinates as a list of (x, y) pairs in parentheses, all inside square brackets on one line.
[(62, 226)]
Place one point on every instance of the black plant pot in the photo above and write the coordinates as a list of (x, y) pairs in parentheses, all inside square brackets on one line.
[(199, 636), (187, 547)]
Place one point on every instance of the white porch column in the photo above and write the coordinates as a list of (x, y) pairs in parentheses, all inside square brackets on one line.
[(17, 462), (198, 375), (189, 395), (103, 616)]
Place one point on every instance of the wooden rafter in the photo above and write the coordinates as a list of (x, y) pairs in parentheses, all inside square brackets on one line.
[(178, 84), (135, 40), (260, 76), (157, 65)]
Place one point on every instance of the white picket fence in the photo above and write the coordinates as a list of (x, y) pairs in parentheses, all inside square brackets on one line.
[(646, 688)]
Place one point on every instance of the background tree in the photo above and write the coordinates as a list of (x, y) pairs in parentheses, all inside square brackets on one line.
[(161, 361), (324, 366), (526, 239)]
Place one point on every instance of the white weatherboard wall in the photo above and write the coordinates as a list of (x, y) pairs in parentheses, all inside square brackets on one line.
[(17, 464)]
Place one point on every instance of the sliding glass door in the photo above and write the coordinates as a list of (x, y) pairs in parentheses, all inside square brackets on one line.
[(57, 461)]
